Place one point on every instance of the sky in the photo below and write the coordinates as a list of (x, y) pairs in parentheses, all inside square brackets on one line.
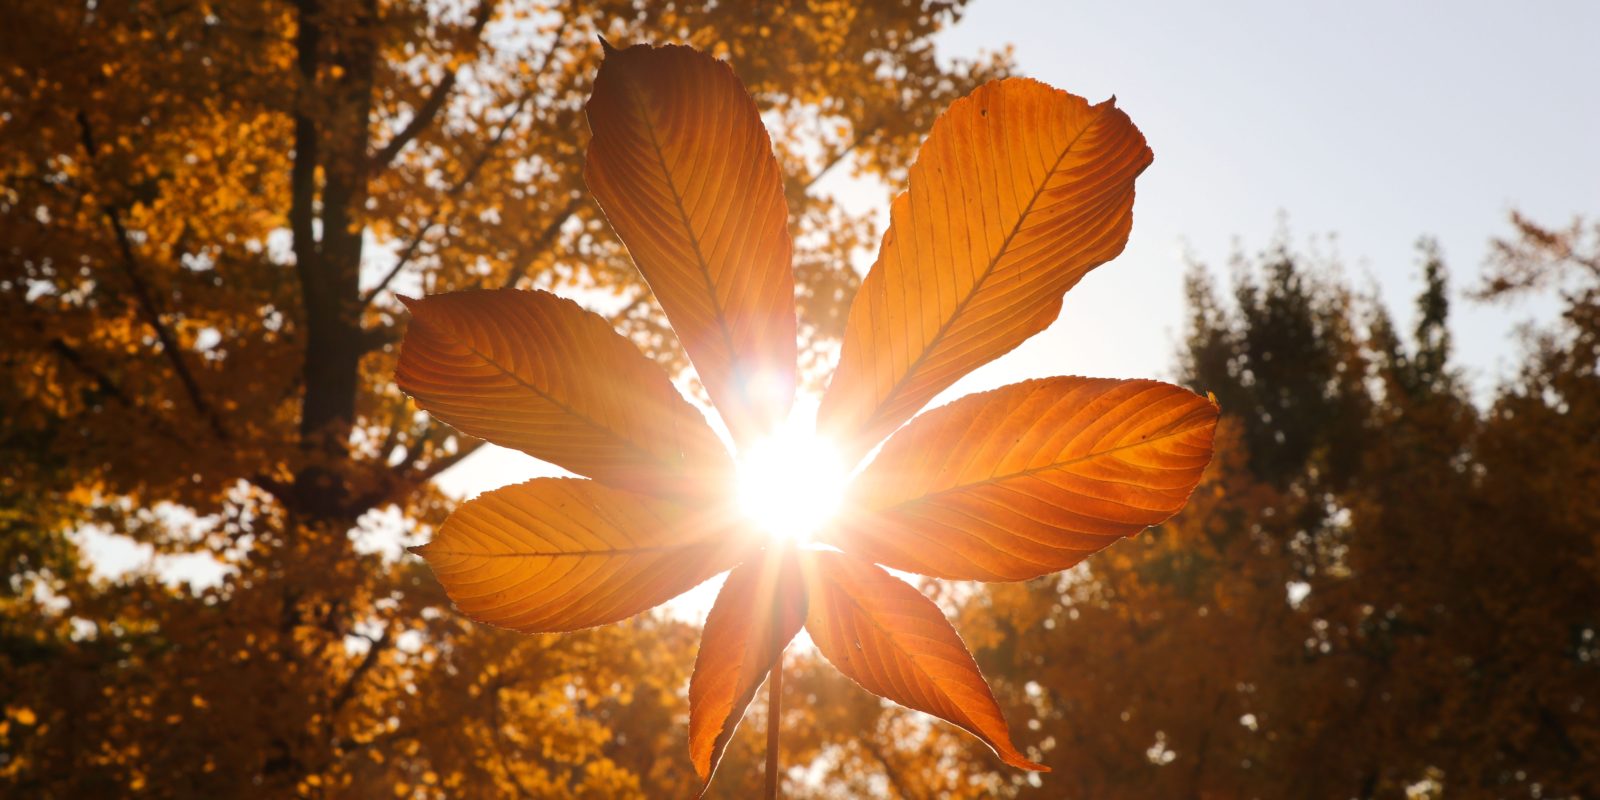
[(1359, 126), (1375, 122)]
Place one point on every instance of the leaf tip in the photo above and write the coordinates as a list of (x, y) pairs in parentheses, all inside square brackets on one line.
[(704, 768), (1016, 759), (606, 46)]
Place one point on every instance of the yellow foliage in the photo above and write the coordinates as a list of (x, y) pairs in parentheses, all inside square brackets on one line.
[(201, 206)]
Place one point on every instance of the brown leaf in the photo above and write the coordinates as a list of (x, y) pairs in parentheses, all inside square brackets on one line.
[(560, 554), (683, 168), (535, 372), (757, 613), (1028, 479), (1018, 192), (885, 635)]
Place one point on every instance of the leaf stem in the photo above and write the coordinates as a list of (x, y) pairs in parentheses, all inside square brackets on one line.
[(774, 712)]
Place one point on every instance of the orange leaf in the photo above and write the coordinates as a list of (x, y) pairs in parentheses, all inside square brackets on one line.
[(536, 372), (683, 168), (885, 635), (760, 608), (1028, 479), (560, 554), (1018, 192)]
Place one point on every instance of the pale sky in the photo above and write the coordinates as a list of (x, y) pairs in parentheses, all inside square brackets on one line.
[(1375, 121), (1372, 122)]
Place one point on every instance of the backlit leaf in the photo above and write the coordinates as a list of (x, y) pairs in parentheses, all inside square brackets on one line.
[(759, 610), (1018, 192), (885, 635), (1028, 479), (560, 554), (683, 168), (535, 372)]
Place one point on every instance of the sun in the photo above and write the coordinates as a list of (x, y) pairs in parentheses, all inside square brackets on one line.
[(791, 483)]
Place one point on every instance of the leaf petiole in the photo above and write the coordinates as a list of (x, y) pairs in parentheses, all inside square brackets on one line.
[(774, 712)]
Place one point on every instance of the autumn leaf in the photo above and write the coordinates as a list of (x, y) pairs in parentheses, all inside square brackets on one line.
[(683, 168), (759, 610), (885, 635), (558, 554), (1028, 479), (1019, 191), (537, 373)]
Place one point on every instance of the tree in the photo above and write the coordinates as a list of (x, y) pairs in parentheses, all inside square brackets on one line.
[(206, 208), (1379, 589)]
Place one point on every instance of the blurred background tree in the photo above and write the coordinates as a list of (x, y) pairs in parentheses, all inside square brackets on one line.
[(206, 209), (1382, 589)]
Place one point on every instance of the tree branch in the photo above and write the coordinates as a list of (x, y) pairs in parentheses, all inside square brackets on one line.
[(439, 465), (409, 251), (104, 383), (860, 139), (430, 108), (890, 772), (395, 735), (347, 690), (303, 171), (546, 240), (402, 479), (146, 302), (622, 313)]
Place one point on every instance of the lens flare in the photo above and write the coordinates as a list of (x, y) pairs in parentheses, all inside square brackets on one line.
[(791, 484)]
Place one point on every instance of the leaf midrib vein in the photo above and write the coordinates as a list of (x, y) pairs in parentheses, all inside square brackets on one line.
[(624, 551), (550, 398), (977, 285), (1055, 465), (929, 683), (683, 215)]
